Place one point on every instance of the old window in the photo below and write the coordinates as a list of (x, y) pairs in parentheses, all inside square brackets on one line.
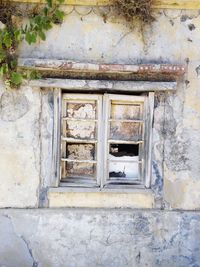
[(106, 140)]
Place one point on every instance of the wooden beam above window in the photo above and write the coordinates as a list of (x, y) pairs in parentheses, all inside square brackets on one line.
[(171, 4), (69, 69)]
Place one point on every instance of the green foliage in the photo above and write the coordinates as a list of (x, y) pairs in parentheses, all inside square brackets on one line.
[(33, 31)]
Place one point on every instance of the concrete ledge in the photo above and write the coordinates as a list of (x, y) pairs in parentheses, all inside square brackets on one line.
[(99, 85), (139, 199)]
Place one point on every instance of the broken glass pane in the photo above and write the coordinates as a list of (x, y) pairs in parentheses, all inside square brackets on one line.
[(123, 161), (82, 170), (81, 110), (80, 151), (125, 111), (81, 129), (128, 131)]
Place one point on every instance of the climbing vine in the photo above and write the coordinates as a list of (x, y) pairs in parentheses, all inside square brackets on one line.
[(12, 33), (132, 10), (40, 19)]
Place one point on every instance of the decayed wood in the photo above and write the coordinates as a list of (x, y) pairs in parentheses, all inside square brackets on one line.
[(69, 69), (121, 120), (76, 119), (124, 100), (77, 108), (98, 85), (74, 140), (125, 142), (79, 161), (173, 4), (148, 138), (56, 136)]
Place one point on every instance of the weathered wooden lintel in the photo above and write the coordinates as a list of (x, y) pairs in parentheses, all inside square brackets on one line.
[(171, 4), (99, 85), (69, 69)]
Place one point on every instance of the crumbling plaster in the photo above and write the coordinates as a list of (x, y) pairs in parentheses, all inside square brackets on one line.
[(26, 115), (20, 147), (117, 238)]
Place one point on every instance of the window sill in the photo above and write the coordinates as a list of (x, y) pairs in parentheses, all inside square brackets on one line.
[(106, 198)]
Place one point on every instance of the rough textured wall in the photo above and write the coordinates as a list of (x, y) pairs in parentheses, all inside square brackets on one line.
[(26, 115), (19, 147), (112, 238), (95, 237), (173, 38)]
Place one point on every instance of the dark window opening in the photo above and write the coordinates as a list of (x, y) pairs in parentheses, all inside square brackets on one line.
[(120, 150)]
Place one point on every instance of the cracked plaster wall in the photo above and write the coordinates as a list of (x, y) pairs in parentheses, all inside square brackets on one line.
[(19, 147), (26, 116), (116, 238), (107, 238), (173, 38)]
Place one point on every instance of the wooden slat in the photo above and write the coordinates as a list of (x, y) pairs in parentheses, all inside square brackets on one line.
[(123, 160), (77, 119), (124, 142), (158, 4), (79, 161), (84, 141), (121, 120)]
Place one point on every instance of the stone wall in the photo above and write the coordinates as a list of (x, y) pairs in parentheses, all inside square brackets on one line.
[(99, 237)]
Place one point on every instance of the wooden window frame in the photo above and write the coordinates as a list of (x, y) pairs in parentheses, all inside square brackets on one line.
[(98, 99), (101, 175), (148, 105)]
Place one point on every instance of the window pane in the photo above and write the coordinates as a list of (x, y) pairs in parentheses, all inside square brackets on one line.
[(81, 110), (128, 131), (79, 170), (126, 170), (123, 161), (80, 151), (80, 129), (125, 111)]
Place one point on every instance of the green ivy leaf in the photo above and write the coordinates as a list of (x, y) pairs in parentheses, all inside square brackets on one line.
[(13, 64), (17, 34), (45, 11), (2, 56), (16, 78), (5, 68), (1, 71), (35, 75), (7, 40), (49, 3), (59, 14), (42, 35), (30, 38)]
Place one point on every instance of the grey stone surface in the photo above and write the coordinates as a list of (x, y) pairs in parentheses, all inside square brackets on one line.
[(118, 238)]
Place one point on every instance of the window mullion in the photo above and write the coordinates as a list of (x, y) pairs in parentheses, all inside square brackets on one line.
[(105, 134), (99, 139), (148, 145)]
